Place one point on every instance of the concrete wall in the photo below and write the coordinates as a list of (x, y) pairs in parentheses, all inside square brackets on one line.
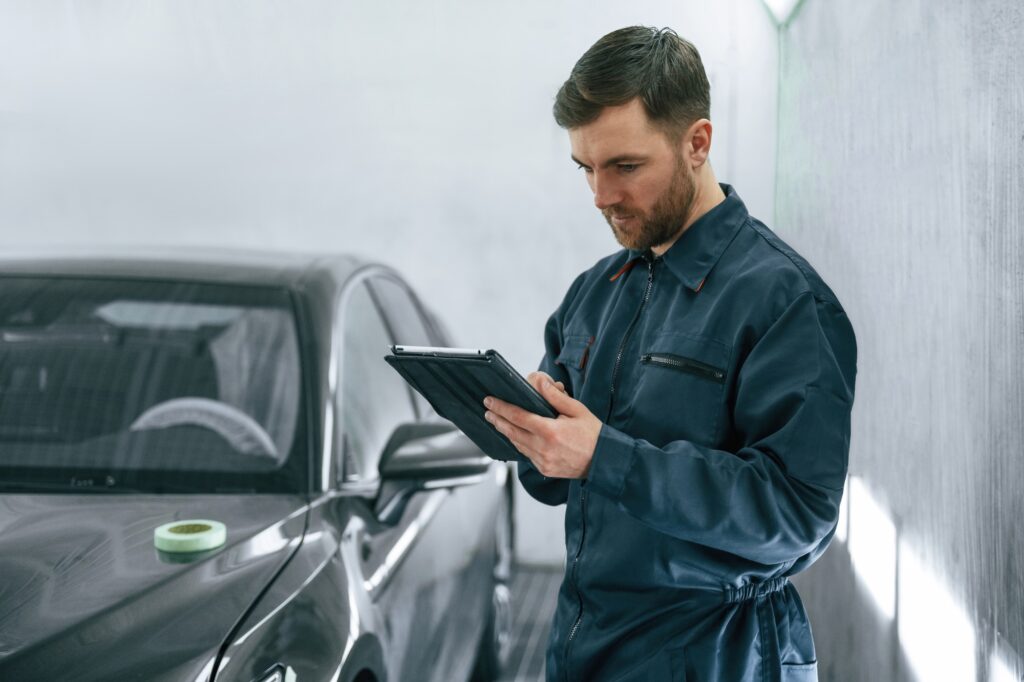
[(416, 133), (901, 178)]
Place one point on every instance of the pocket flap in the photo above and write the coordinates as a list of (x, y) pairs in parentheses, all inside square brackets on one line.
[(573, 351)]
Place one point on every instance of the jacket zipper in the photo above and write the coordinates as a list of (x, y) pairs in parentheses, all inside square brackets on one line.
[(575, 564), (686, 365), (625, 337), (583, 490)]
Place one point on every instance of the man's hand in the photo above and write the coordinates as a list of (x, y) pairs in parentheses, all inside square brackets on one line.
[(559, 448)]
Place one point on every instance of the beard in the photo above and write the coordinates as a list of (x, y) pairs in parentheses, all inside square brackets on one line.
[(665, 219)]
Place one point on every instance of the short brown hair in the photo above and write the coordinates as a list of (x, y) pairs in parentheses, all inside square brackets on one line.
[(659, 67)]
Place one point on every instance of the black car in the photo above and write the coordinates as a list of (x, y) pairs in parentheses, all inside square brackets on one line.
[(366, 538)]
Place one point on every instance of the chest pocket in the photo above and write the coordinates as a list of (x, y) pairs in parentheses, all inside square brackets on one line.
[(573, 358), (681, 389)]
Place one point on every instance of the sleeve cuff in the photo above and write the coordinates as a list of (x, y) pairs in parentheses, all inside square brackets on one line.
[(612, 460)]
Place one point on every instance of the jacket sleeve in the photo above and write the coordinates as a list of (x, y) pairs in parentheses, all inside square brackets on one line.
[(553, 491), (777, 497)]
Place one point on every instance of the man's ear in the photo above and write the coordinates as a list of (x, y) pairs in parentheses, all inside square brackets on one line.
[(697, 142)]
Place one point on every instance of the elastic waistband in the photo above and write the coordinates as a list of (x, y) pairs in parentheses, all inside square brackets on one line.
[(754, 590)]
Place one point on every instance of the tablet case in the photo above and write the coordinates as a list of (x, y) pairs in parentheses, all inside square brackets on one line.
[(455, 386)]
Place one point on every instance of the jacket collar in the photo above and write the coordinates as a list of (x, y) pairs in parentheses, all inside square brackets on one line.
[(698, 249)]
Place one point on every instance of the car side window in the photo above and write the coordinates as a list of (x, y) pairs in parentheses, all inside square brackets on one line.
[(407, 324), (374, 398)]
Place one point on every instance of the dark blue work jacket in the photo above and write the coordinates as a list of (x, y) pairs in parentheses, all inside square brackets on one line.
[(724, 374)]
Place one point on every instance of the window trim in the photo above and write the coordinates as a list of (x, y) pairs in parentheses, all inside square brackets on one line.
[(424, 320), (335, 464)]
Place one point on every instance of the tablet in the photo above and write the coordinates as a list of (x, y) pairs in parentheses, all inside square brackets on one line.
[(455, 381)]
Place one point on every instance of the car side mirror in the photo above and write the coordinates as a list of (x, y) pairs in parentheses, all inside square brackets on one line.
[(425, 456)]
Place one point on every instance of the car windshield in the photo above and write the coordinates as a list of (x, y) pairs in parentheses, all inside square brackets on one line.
[(118, 385)]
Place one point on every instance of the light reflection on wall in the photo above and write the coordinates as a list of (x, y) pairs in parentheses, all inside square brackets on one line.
[(782, 9), (872, 543), (935, 632), (1002, 671)]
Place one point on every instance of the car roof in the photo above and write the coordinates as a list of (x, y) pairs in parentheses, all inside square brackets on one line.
[(221, 265)]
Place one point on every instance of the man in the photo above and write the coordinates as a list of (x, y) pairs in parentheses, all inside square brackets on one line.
[(704, 377)]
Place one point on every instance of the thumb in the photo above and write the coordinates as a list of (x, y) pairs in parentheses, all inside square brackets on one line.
[(559, 399)]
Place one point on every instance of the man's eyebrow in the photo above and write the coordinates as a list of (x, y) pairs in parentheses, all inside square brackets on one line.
[(621, 158)]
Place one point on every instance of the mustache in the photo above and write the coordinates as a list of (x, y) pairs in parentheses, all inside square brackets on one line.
[(610, 213)]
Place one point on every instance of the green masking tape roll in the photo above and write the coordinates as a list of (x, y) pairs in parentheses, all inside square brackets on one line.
[(192, 535)]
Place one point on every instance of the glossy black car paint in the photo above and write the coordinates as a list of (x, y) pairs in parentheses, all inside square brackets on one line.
[(312, 583)]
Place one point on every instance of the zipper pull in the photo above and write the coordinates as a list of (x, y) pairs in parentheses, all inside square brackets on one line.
[(586, 353)]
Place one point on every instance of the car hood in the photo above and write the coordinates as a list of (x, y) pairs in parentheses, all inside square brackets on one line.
[(85, 594)]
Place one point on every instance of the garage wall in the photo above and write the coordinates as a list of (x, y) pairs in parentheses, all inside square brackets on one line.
[(418, 134), (901, 177)]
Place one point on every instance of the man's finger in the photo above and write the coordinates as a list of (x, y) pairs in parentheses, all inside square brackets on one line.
[(520, 437), (559, 399), (536, 379), (513, 413), (528, 453)]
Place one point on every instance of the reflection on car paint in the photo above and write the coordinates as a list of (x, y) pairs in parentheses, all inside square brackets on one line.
[(379, 580)]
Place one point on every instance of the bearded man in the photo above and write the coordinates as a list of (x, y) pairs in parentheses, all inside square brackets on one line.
[(704, 379)]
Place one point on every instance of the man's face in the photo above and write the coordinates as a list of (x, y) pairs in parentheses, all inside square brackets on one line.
[(639, 178)]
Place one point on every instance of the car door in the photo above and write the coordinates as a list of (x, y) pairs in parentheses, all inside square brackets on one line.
[(411, 570), (468, 576)]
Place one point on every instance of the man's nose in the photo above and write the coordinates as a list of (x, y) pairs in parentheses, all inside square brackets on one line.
[(606, 193)]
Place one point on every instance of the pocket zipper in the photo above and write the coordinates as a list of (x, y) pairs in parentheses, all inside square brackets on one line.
[(685, 364)]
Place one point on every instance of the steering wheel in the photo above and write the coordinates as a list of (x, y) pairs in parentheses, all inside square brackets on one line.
[(243, 432)]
